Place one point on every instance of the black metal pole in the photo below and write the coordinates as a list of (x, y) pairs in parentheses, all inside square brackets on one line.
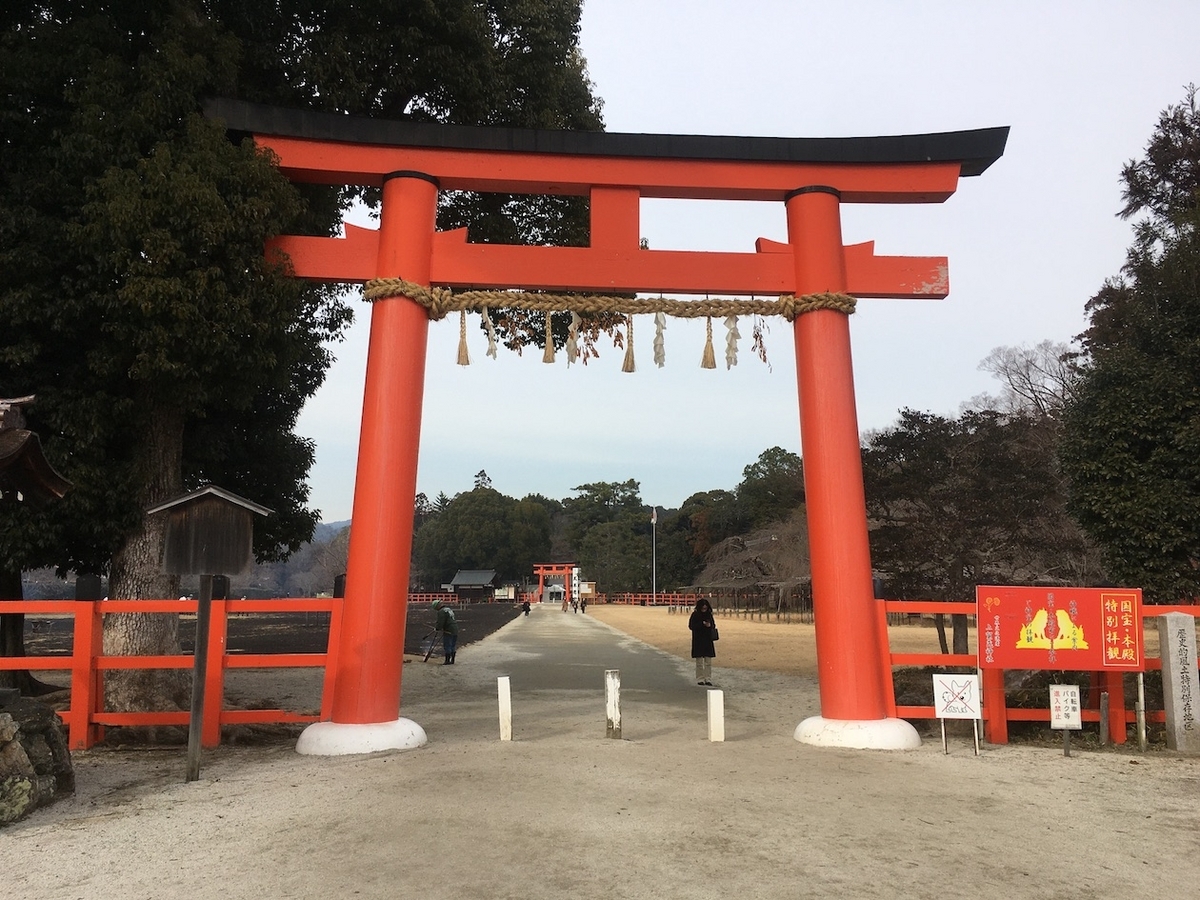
[(199, 666)]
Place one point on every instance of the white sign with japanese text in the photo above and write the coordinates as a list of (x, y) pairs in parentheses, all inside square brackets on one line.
[(1064, 707)]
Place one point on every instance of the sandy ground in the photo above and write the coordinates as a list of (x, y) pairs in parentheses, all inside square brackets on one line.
[(764, 645), (562, 811)]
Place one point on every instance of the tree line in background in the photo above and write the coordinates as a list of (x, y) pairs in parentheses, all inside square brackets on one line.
[(606, 527), (166, 351)]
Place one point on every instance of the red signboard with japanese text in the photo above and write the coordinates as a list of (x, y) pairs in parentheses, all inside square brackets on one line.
[(1080, 629)]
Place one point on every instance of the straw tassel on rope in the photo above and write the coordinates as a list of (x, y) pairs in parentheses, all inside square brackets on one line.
[(548, 353), (491, 333), (573, 338), (708, 359), (731, 340), (660, 353), (628, 365), (464, 358)]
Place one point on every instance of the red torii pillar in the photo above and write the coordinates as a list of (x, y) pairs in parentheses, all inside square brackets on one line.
[(812, 177), (854, 708)]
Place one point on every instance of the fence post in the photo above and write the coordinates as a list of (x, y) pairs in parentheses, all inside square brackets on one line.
[(331, 654), (214, 686), (1104, 727), (87, 684), (995, 707), (1114, 683), (885, 649)]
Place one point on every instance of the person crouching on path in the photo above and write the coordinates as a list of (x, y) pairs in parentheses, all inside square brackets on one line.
[(447, 625), (702, 625)]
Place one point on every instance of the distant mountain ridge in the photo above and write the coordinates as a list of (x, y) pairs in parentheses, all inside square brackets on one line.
[(326, 530)]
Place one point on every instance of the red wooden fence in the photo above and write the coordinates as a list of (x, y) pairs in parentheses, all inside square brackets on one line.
[(87, 663), (662, 598), (87, 718), (996, 712)]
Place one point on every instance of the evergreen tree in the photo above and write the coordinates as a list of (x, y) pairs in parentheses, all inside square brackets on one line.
[(601, 502), (135, 297), (609, 530), (1132, 426), (483, 529), (953, 503), (771, 487)]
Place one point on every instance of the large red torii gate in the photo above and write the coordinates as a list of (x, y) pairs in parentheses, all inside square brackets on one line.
[(812, 177)]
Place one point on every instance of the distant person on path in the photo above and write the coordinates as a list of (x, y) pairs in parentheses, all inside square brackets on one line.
[(448, 626), (703, 626), (582, 605), (525, 607)]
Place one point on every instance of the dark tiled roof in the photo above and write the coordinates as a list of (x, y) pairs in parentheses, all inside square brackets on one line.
[(474, 578)]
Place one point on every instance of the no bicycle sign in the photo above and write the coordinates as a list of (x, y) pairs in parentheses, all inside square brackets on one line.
[(1080, 629)]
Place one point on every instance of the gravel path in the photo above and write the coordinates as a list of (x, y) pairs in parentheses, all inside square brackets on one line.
[(561, 811)]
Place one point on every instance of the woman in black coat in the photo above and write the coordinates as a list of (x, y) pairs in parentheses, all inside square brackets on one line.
[(702, 625)]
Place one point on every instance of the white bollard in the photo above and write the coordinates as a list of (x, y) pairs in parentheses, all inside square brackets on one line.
[(505, 693), (612, 703), (716, 715)]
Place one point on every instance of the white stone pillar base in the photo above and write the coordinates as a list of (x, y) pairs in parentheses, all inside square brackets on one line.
[(861, 734), (336, 739)]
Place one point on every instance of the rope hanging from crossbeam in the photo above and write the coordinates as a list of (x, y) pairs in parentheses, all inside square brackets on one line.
[(441, 301)]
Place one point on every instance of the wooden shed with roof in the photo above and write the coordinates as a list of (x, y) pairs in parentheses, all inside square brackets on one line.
[(474, 585)]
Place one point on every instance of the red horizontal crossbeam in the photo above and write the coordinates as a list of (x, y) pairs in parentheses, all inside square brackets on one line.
[(274, 660), (615, 186), (456, 263), (44, 663), (934, 659), (932, 607)]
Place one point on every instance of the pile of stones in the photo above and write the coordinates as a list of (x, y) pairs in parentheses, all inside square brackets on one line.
[(35, 765)]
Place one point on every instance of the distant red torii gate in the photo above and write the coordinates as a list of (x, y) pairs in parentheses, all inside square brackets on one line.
[(564, 570), (812, 177)]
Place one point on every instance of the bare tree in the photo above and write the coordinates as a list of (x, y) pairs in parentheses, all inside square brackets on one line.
[(1036, 380)]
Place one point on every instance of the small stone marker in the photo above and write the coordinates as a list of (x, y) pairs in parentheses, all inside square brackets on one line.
[(1177, 646), (612, 703), (716, 715), (504, 692)]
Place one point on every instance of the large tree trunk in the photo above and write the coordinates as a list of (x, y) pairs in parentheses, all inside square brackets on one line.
[(939, 622), (12, 640), (137, 574), (958, 622)]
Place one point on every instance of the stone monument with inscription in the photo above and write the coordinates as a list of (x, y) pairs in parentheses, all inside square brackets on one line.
[(1177, 643)]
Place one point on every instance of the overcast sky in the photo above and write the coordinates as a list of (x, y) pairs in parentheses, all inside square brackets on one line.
[(1081, 85)]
